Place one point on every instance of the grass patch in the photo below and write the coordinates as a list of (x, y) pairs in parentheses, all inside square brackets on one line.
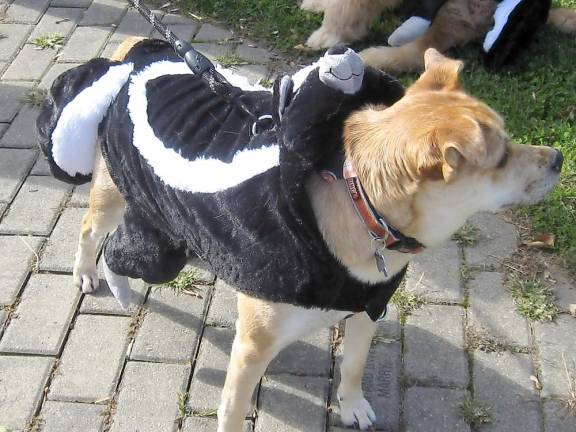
[(406, 302), (52, 41), (281, 23), (183, 409), (231, 60), (479, 340), (534, 300), (474, 412), (467, 235), (34, 96), (186, 283)]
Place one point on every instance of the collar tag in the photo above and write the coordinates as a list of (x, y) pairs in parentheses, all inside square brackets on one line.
[(380, 262)]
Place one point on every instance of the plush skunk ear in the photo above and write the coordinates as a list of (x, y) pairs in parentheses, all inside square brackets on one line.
[(441, 73), (68, 121), (515, 24)]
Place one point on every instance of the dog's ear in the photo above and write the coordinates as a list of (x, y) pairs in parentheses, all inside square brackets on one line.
[(441, 73), (463, 142)]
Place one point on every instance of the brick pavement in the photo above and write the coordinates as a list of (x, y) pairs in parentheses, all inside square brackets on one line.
[(74, 362)]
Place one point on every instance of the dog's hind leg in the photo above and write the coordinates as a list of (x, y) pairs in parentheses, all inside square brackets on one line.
[(103, 216), (354, 408)]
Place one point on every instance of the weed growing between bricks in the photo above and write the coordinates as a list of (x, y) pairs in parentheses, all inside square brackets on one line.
[(474, 412), (185, 283), (479, 340), (50, 41), (534, 300), (468, 235), (34, 96), (231, 60), (406, 302), (569, 402)]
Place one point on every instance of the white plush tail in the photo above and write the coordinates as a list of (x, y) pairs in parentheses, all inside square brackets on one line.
[(75, 136), (563, 19)]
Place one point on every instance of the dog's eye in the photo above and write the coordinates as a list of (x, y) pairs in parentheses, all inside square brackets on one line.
[(504, 159)]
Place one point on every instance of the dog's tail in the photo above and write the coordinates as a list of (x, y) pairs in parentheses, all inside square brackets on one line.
[(563, 19), (71, 114)]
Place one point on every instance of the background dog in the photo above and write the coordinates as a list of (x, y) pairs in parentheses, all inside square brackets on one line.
[(426, 177), (457, 23)]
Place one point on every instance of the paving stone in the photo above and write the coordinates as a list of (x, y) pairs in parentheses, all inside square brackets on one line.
[(22, 381), (184, 31), (556, 340), (85, 44), (14, 166), (54, 72), (42, 318), (36, 206), (223, 310), (147, 399), (3, 207), (434, 410), (435, 274), (172, 19), (15, 37), (502, 381), (210, 32), (132, 24), (253, 54), (493, 310), (210, 370), (203, 424), (71, 3), (60, 249), (255, 73), (29, 64), (308, 357), (28, 11), (103, 302), (22, 131), (18, 255), (71, 417), (3, 316), (381, 385), (213, 50), (41, 167), (290, 403), (434, 346), (104, 12), (56, 20), (557, 419), (3, 128), (80, 196), (563, 287), (11, 95), (92, 359), (498, 240), (171, 327)]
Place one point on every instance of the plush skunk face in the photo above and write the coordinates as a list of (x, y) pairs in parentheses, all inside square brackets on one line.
[(439, 155)]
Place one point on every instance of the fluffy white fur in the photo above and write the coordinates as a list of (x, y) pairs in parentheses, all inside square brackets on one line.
[(75, 135), (203, 175), (501, 15)]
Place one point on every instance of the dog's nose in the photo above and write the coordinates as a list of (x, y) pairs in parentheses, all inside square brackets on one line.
[(557, 161)]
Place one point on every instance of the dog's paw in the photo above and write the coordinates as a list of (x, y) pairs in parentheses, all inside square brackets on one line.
[(357, 412), (322, 38), (313, 5), (85, 278)]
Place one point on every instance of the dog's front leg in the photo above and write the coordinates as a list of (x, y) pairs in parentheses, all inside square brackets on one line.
[(354, 408)]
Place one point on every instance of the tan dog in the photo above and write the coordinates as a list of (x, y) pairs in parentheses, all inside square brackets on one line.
[(457, 23), (426, 177)]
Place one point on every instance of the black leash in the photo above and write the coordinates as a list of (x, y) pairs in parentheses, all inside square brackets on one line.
[(196, 61)]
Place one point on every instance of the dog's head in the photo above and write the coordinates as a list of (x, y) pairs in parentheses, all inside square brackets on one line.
[(439, 155)]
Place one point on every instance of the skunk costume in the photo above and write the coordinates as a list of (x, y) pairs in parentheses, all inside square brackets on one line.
[(515, 24), (204, 177)]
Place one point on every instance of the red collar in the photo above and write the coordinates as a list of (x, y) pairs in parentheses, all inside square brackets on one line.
[(377, 227)]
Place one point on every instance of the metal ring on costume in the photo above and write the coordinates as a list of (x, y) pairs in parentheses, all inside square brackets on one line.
[(255, 124)]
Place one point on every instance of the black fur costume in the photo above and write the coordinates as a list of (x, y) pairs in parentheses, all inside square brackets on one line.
[(258, 232)]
